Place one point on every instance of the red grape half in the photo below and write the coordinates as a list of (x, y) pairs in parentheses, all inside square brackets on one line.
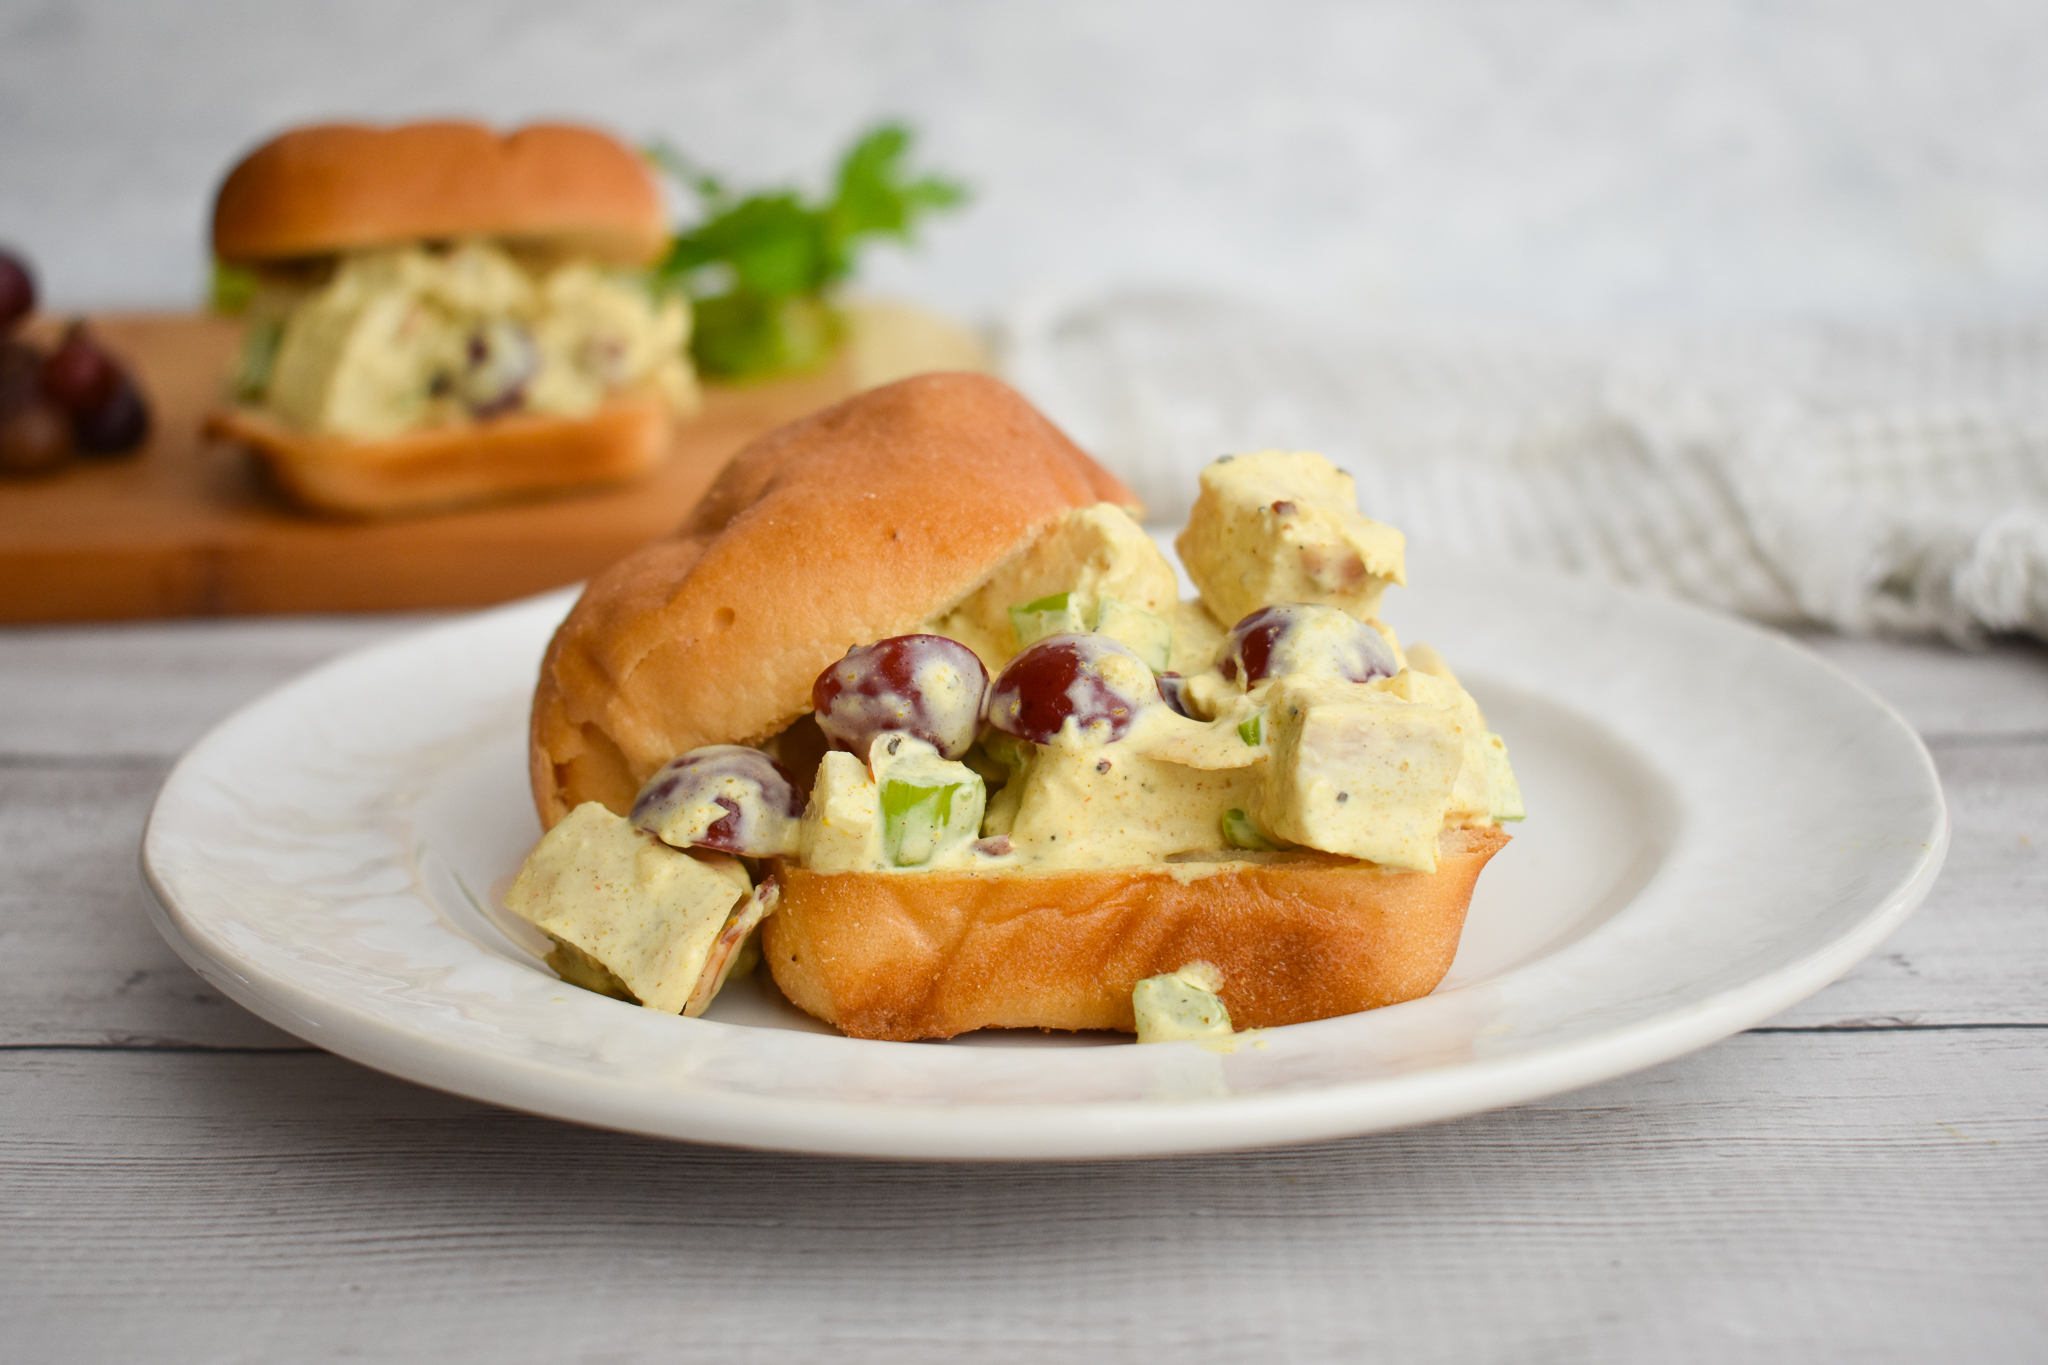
[(1089, 679), (1299, 637)]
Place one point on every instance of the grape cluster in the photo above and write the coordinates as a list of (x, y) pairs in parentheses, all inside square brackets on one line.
[(76, 400)]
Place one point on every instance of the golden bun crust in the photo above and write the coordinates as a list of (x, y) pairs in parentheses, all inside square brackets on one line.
[(859, 522), (441, 467), (342, 187), (930, 955)]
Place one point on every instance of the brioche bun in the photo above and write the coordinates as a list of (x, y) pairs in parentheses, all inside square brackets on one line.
[(857, 523), (868, 520), (442, 467), (931, 955), (341, 187)]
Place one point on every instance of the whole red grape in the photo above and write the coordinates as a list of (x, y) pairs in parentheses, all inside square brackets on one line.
[(17, 290), (35, 438), (79, 377), (117, 426), (21, 374), (922, 685)]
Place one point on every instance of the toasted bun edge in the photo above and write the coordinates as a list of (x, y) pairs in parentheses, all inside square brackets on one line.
[(443, 467), (908, 956)]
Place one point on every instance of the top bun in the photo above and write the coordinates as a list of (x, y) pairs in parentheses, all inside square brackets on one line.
[(857, 523), (342, 187)]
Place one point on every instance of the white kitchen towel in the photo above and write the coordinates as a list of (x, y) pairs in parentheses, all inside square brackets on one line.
[(1875, 479)]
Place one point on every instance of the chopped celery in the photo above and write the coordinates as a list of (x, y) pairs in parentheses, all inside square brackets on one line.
[(232, 289), (1146, 635), (913, 820), (1054, 615), (928, 806), (1008, 750), (1240, 832), (1179, 1006)]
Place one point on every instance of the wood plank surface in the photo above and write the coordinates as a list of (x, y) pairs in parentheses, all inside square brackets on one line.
[(1821, 1197), (1998, 691), (190, 527)]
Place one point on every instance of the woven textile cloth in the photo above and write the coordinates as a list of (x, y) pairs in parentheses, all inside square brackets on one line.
[(1873, 479)]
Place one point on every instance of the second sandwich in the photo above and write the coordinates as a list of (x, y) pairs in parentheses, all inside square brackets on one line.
[(439, 314)]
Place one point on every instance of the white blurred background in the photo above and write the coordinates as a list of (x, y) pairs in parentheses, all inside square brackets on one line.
[(1634, 160), (1745, 300)]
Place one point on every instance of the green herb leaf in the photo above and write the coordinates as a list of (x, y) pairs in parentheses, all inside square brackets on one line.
[(759, 268)]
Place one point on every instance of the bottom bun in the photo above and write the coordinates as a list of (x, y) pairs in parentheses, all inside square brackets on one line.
[(506, 457), (930, 955)]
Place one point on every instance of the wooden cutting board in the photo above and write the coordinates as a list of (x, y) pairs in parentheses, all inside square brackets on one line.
[(187, 527)]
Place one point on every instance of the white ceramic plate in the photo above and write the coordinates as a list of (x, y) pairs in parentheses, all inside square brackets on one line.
[(1720, 825)]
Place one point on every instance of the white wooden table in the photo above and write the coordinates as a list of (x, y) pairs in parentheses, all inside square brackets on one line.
[(1865, 1178)]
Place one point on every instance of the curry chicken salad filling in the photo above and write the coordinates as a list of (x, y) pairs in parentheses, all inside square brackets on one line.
[(1104, 725), (395, 340)]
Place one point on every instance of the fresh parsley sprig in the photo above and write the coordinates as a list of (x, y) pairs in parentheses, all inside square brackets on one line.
[(760, 270)]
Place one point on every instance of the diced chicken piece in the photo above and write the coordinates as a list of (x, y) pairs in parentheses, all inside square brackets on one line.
[(646, 912), (1281, 526), (916, 808), (1487, 789), (842, 829), (1360, 770)]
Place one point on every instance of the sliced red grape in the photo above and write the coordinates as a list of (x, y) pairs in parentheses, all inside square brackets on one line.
[(1089, 679), (723, 796), (922, 685), (17, 290), (1173, 690), (500, 360), (1298, 637)]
